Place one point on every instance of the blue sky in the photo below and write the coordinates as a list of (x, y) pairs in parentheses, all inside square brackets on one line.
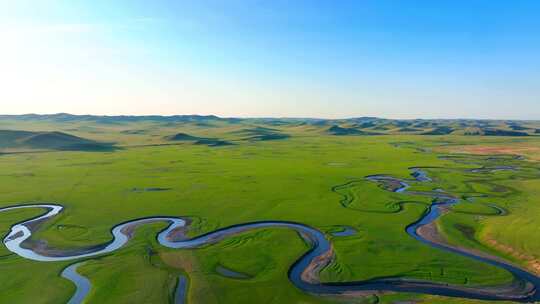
[(397, 59)]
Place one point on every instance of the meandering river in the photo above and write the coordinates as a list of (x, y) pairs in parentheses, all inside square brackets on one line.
[(304, 272)]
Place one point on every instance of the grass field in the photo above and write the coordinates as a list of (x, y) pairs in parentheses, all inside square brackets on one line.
[(291, 178)]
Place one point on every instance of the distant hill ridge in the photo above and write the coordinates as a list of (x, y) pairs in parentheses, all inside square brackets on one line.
[(263, 129), (49, 141), (514, 124)]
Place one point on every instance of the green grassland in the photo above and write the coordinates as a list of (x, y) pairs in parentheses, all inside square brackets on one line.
[(269, 171)]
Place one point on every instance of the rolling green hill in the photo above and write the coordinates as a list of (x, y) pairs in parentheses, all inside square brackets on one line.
[(14, 139), (120, 128)]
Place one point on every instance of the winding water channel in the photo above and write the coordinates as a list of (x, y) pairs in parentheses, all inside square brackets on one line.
[(82, 283), (304, 272)]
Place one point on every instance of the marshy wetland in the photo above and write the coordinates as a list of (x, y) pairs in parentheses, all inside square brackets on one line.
[(255, 210)]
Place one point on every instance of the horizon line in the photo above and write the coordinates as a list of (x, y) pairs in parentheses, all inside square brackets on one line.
[(265, 117)]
